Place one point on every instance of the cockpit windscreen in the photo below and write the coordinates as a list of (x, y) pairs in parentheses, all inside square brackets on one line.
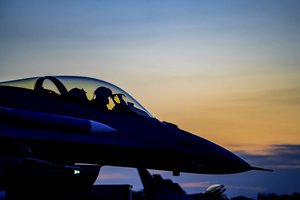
[(89, 89)]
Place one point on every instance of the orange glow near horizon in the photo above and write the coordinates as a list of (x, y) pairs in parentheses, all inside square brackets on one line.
[(252, 111)]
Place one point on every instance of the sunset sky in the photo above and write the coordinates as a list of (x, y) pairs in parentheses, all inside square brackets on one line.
[(228, 71)]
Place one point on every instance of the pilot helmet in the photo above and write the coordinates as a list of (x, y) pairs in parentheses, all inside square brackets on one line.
[(102, 92), (77, 93)]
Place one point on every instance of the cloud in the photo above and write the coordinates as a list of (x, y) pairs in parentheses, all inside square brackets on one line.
[(284, 156), (195, 184), (248, 188), (112, 176)]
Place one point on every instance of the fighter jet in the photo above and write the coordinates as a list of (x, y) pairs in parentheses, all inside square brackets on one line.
[(58, 125), (157, 188)]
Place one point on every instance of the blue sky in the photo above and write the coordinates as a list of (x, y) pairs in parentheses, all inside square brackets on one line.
[(144, 34), (226, 70)]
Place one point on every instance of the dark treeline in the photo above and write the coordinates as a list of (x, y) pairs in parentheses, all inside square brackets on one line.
[(270, 196)]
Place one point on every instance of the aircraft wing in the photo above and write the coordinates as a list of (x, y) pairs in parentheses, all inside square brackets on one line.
[(32, 178), (22, 168), (19, 127)]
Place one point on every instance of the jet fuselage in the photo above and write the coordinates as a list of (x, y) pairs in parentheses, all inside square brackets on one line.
[(136, 140)]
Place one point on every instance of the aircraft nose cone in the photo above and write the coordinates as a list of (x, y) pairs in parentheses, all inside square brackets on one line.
[(214, 159), (195, 154), (223, 161), (231, 162)]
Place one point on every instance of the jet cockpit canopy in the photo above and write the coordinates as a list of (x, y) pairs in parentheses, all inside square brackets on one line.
[(83, 87)]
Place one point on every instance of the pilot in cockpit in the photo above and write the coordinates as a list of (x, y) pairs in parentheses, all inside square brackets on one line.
[(101, 97), (78, 95)]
